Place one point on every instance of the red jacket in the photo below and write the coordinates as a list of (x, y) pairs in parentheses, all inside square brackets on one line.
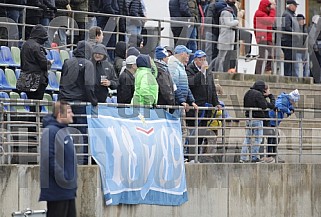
[(264, 19)]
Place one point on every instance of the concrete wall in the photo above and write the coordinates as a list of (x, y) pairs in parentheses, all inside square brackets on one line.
[(214, 190)]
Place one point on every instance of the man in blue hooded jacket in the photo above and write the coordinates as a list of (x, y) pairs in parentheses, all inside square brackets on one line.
[(58, 165)]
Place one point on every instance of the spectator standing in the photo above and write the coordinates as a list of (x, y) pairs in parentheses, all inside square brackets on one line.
[(201, 84), (264, 18), (96, 36), (166, 94), (146, 87), (126, 87), (284, 105), (34, 62), (254, 98), (105, 73), (16, 15), (302, 55), (183, 95), (135, 9), (50, 12), (61, 34), (34, 16), (77, 85), (290, 24), (80, 18), (226, 36), (120, 56), (58, 165), (314, 40), (3, 29)]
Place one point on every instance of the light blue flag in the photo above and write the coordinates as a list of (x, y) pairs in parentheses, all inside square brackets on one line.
[(140, 155)]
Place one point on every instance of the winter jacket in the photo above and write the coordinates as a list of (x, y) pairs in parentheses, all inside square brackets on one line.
[(51, 8), (36, 12), (213, 16), (179, 8), (283, 106), (103, 67), (179, 76), (290, 24), (16, 2), (264, 19), (80, 5), (126, 87), (193, 8), (254, 98), (166, 95), (78, 76), (58, 165), (108, 7), (146, 87), (135, 9), (33, 54), (203, 89), (120, 53), (226, 37)]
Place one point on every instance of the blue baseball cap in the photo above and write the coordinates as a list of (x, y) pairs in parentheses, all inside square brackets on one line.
[(199, 54), (182, 49)]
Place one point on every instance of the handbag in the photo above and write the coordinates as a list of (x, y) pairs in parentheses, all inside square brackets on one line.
[(28, 82)]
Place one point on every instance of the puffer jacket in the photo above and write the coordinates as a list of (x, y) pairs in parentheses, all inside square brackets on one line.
[(179, 8), (264, 19), (135, 9), (146, 87), (284, 107)]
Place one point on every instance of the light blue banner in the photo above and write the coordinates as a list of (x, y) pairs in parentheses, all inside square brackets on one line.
[(140, 155)]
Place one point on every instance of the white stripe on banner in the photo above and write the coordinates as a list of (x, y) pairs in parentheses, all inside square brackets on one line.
[(140, 155)]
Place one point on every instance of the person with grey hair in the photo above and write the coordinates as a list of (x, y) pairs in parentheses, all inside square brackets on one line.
[(290, 24)]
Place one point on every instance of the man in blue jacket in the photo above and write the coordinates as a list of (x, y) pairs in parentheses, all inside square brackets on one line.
[(58, 165)]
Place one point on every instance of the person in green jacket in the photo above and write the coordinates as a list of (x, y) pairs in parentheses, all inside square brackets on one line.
[(146, 87)]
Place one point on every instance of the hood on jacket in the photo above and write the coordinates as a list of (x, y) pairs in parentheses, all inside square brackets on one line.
[(83, 50), (120, 49), (51, 120), (259, 85), (219, 6), (133, 51), (263, 5), (100, 49), (143, 61), (39, 34)]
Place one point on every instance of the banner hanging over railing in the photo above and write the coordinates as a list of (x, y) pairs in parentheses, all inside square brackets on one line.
[(140, 155)]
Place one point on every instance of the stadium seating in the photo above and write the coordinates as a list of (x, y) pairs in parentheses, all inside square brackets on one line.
[(55, 97), (4, 95), (7, 57), (17, 108), (11, 78), (16, 55), (17, 72), (4, 85), (57, 64), (64, 55), (48, 107), (23, 95), (53, 84)]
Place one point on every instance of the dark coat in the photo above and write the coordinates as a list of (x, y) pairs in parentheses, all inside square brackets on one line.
[(58, 165), (33, 54), (203, 90), (103, 67), (254, 98), (135, 9), (166, 95), (126, 87), (120, 52), (290, 24), (36, 12), (179, 8), (78, 76)]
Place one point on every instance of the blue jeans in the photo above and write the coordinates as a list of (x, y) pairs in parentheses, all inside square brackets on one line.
[(306, 69), (255, 128), (191, 44), (16, 16), (134, 30)]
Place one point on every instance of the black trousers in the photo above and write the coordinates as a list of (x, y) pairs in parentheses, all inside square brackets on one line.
[(61, 208)]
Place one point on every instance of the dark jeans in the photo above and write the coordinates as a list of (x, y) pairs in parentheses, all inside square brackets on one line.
[(289, 54), (16, 16), (61, 208), (259, 63)]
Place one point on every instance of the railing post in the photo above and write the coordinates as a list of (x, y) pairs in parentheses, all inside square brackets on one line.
[(300, 134)]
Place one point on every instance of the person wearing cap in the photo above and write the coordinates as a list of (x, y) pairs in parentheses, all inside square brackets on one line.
[(284, 105), (254, 98), (302, 56), (290, 24), (176, 67), (146, 87), (170, 50), (166, 94), (103, 68), (264, 18), (201, 84), (126, 87)]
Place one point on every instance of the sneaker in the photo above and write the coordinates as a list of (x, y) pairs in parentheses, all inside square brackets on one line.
[(243, 161), (267, 160), (256, 160)]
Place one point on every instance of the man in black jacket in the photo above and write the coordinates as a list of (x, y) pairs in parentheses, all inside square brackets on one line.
[(126, 87), (255, 98), (77, 85), (201, 83)]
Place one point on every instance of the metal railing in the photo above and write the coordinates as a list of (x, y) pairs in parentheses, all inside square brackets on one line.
[(72, 27), (298, 136)]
